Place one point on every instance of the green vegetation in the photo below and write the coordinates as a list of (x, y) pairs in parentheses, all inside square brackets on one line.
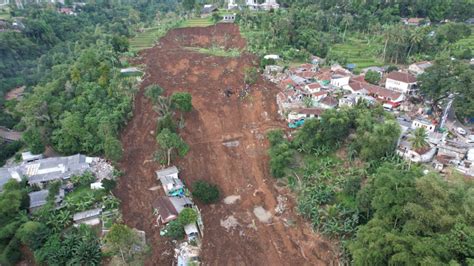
[(250, 75), (169, 142), (175, 230), (447, 77), (147, 37), (7, 150), (14, 202), (124, 241), (205, 192), (372, 77), (215, 51), (384, 211), (361, 52), (187, 216), (182, 101)]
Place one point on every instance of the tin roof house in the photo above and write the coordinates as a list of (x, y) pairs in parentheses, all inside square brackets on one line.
[(39, 198), (172, 185), (42, 171)]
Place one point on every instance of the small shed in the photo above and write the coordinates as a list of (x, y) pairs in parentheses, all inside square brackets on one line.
[(228, 18), (89, 217), (29, 157)]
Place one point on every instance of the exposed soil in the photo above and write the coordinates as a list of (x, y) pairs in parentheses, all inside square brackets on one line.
[(228, 147)]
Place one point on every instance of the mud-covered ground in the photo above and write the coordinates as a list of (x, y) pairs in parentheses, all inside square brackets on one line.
[(226, 134)]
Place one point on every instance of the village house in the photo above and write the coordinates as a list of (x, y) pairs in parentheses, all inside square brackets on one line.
[(419, 67), (400, 82), (304, 113), (406, 151), (339, 80), (43, 171), (168, 208), (318, 96), (207, 10), (172, 185), (231, 5), (382, 94), (89, 217), (423, 123), (269, 5), (9, 135), (416, 21), (39, 198), (452, 149), (328, 102)]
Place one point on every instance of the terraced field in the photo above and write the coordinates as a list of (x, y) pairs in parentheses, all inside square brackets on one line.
[(359, 52), (197, 22)]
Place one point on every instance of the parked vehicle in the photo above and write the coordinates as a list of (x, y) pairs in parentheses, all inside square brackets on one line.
[(461, 131)]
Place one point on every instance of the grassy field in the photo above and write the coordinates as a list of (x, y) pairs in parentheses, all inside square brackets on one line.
[(215, 51), (197, 22), (5, 13), (359, 52)]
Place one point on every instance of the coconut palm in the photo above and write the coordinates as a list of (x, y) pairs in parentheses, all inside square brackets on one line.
[(416, 37), (419, 138)]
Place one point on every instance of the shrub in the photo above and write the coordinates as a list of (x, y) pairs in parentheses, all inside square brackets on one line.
[(153, 92), (187, 216), (83, 180), (205, 192), (175, 230)]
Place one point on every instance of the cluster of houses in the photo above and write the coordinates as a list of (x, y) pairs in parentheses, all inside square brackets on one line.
[(442, 149), (307, 90), (39, 172), (167, 208)]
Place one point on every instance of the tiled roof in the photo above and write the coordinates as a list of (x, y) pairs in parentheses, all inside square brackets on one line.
[(400, 76)]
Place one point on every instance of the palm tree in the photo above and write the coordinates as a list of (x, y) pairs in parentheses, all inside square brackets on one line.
[(419, 138), (416, 37)]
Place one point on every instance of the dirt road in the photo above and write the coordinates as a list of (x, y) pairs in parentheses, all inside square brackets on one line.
[(226, 134)]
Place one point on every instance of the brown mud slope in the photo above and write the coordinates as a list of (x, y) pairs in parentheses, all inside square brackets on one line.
[(228, 147)]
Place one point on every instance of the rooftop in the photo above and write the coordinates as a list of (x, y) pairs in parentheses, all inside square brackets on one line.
[(167, 171), (401, 76), (87, 214)]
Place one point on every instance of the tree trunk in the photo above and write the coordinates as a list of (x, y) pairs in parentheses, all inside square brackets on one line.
[(169, 157), (409, 51), (385, 49), (121, 254)]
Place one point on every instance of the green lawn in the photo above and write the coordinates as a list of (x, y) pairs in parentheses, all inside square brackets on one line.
[(215, 51), (197, 22), (359, 52)]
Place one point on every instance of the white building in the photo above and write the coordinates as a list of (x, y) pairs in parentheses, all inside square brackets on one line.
[(400, 82), (422, 123), (340, 80)]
